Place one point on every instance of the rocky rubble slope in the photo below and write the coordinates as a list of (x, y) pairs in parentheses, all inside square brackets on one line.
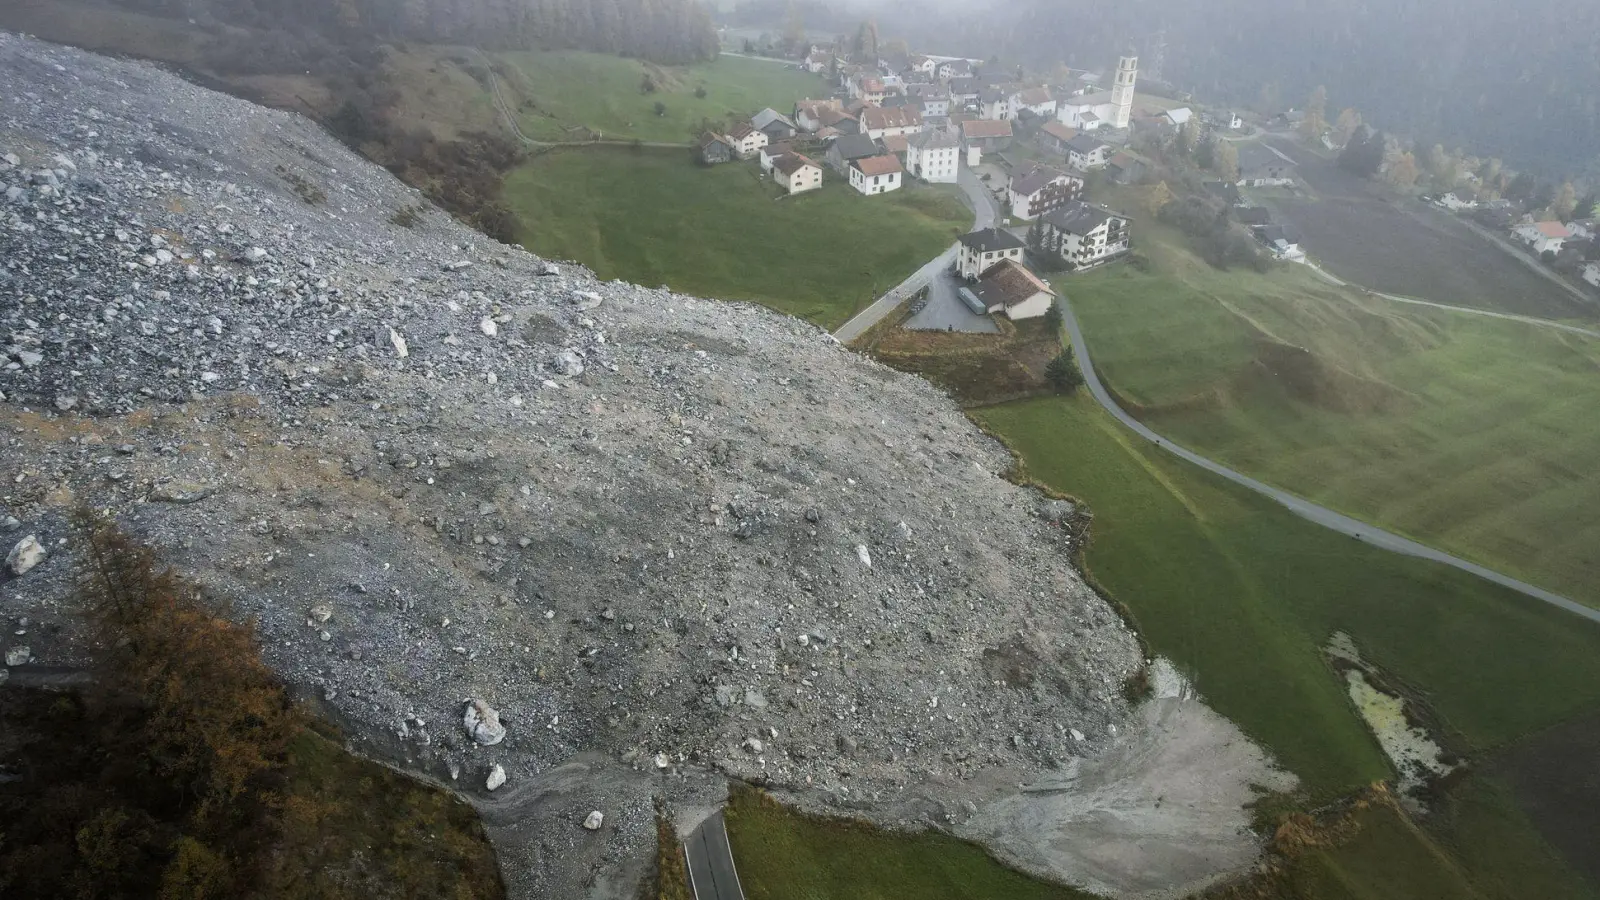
[(658, 535)]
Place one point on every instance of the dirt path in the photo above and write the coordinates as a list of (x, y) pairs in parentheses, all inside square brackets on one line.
[(1466, 310)]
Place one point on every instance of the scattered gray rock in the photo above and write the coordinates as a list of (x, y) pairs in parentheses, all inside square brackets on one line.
[(568, 363), (18, 656), (483, 723), (26, 554), (497, 777), (594, 820), (181, 492)]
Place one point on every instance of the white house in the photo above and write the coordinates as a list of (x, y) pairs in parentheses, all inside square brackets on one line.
[(1008, 287), (1453, 203), (1084, 235), (875, 174), (934, 156), (747, 140), (1235, 121), (935, 100), (1179, 116), (922, 65), (953, 68), (1086, 152), (994, 103), (1087, 112), (1038, 99), (818, 62), (1591, 274), (796, 173), (881, 122), (982, 250), (1542, 236), (1036, 191), (1282, 240)]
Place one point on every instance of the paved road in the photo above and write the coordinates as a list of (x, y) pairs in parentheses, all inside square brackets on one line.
[(711, 871), (984, 214), (1321, 515), (945, 311)]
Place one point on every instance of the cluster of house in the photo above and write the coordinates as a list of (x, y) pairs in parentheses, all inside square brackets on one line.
[(1578, 236), (1280, 239), (990, 260)]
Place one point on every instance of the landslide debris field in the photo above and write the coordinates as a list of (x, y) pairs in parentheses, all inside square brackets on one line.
[(663, 538)]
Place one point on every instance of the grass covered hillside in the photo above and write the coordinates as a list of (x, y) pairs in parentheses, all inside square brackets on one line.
[(1475, 435), (1243, 595), (653, 217), (565, 95)]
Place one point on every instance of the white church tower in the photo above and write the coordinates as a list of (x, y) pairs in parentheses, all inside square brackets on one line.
[(1122, 90)]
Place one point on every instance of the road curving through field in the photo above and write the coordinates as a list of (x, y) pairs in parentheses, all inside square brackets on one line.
[(1321, 515)]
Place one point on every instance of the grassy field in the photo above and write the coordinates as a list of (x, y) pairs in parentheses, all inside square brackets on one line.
[(567, 93), (653, 217), (1243, 595), (784, 855), (1372, 239), (1475, 435)]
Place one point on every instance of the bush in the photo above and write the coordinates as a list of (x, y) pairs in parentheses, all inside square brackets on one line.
[(700, 92)]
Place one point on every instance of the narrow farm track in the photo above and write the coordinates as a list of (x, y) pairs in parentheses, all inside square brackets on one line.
[(516, 129), (1465, 310), (1321, 515)]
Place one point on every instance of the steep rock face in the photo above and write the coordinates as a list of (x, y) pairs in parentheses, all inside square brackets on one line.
[(662, 536)]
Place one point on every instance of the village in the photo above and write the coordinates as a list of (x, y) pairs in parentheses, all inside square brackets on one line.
[(1030, 149), (1033, 148)]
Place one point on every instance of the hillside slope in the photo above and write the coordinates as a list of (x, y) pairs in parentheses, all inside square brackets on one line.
[(651, 530)]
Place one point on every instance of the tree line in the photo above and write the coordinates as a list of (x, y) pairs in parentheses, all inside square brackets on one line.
[(669, 31)]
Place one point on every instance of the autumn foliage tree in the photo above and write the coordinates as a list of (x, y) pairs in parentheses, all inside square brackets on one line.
[(163, 777)]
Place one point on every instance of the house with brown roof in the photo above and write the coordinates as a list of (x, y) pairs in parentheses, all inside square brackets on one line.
[(747, 139), (1011, 289), (896, 145), (1054, 136), (808, 113), (980, 136), (875, 174), (879, 123), (869, 89), (1039, 99), (796, 173), (1543, 236)]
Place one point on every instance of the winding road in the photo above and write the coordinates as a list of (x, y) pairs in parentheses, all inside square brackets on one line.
[(1321, 515), (984, 214)]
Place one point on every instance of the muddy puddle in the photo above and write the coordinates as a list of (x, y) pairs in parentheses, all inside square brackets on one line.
[(1400, 729)]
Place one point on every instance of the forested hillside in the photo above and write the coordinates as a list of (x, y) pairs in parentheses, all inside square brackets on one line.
[(660, 30)]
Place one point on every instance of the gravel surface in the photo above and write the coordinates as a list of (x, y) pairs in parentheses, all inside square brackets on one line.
[(664, 539)]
